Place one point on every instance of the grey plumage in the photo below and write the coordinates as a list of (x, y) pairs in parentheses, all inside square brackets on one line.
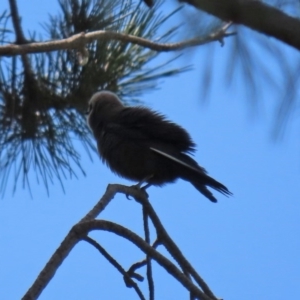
[(142, 145)]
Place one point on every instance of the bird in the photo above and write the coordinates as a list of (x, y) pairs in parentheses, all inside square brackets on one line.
[(142, 145)]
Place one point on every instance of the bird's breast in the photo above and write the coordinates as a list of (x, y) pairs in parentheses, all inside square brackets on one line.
[(127, 158), (134, 160)]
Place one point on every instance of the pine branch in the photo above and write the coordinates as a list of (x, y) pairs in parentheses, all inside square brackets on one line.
[(44, 87)]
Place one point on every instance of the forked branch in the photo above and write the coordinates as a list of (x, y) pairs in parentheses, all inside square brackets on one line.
[(197, 288)]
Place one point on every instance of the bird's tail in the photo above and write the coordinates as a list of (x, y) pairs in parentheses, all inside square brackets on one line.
[(189, 170), (206, 180)]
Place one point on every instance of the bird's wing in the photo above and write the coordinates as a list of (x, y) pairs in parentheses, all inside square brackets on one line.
[(179, 161), (140, 123)]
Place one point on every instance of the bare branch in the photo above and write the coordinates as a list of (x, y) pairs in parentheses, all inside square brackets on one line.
[(101, 204), (84, 228), (65, 248), (16, 20), (128, 280), (78, 40), (87, 224), (140, 264), (51, 267), (148, 258), (165, 239)]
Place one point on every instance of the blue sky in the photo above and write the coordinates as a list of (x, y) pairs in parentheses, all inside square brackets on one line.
[(245, 247)]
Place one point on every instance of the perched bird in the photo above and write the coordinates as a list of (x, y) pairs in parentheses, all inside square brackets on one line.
[(142, 145)]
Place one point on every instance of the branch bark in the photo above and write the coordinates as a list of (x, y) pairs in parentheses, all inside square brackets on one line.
[(65, 248), (128, 280), (146, 248), (78, 40), (256, 15), (88, 223)]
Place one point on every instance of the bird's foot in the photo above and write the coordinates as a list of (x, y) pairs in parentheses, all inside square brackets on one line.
[(140, 189)]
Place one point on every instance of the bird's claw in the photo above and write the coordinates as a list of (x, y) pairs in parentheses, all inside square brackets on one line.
[(140, 189), (128, 197), (135, 186), (143, 189)]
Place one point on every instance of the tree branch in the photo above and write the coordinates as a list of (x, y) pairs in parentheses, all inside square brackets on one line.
[(16, 20), (128, 280), (164, 238), (84, 228), (101, 204), (140, 264), (78, 40), (65, 248), (148, 258), (51, 267), (87, 224), (256, 15)]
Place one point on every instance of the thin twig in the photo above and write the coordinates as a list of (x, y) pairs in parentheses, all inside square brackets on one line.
[(175, 251), (101, 204), (78, 40), (16, 20), (128, 280), (20, 38), (87, 224), (166, 239), (148, 258), (82, 229), (140, 264)]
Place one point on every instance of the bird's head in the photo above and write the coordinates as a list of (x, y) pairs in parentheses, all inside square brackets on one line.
[(102, 107)]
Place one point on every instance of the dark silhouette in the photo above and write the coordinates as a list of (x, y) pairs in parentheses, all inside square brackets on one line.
[(142, 145), (149, 3)]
